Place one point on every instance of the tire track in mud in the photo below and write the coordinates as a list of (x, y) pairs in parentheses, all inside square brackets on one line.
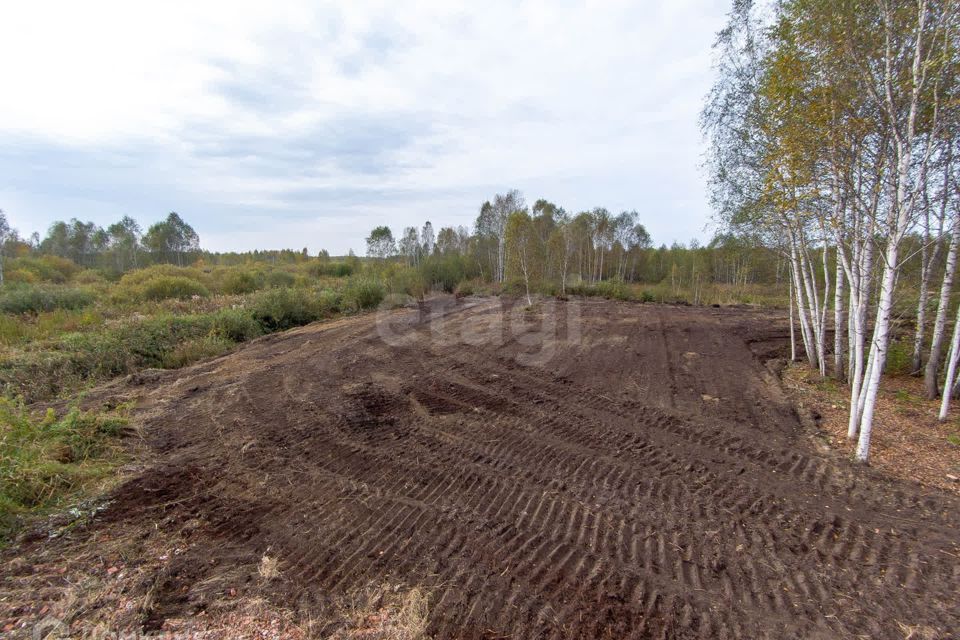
[(530, 502)]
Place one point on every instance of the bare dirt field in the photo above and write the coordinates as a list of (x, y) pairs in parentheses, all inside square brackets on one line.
[(584, 469)]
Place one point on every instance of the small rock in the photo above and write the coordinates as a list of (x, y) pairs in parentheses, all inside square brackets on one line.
[(952, 478)]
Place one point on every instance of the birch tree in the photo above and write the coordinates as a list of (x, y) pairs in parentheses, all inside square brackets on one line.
[(823, 125), (503, 206), (523, 249), (950, 211), (908, 84)]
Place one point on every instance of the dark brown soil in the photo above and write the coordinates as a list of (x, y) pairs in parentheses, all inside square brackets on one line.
[(584, 469)]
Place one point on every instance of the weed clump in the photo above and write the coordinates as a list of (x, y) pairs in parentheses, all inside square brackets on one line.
[(186, 353), (45, 460)]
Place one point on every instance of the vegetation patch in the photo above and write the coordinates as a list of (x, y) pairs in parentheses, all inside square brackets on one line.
[(46, 460), (166, 287), (38, 299), (363, 293), (196, 349), (240, 282), (281, 309)]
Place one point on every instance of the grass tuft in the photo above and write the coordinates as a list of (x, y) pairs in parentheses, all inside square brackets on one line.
[(47, 459)]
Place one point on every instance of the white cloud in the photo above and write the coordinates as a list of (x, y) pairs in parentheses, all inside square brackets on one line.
[(245, 107)]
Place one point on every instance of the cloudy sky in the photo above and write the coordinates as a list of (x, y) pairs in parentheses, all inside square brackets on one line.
[(290, 124)]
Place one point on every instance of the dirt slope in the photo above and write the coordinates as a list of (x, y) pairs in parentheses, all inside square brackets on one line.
[(595, 469)]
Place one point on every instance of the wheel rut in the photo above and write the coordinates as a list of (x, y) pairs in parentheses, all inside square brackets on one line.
[(556, 500)]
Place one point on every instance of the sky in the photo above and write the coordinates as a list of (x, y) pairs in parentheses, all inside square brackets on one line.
[(290, 124)]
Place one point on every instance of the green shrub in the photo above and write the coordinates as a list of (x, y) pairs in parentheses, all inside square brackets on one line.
[(280, 309), (443, 273), (647, 296), (579, 289), (463, 289), (240, 282), (197, 349), (613, 289), (328, 302), (278, 279), (235, 325), (76, 359), (142, 276), (331, 269), (160, 282), (342, 269), (167, 287), (408, 281), (37, 299), (132, 346), (516, 287), (19, 276), (549, 289), (89, 276), (44, 460), (47, 268), (363, 293)]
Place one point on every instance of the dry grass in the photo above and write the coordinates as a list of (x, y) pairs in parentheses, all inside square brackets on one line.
[(269, 568), (251, 619), (93, 588), (386, 613), (917, 632), (908, 441)]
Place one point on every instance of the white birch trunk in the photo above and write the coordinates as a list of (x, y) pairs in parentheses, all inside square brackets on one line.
[(951, 369), (812, 308), (822, 346), (863, 267), (838, 320), (940, 320), (805, 331), (793, 339), (927, 260), (897, 224)]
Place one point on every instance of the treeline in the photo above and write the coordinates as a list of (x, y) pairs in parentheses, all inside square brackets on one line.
[(117, 248), (834, 136), (124, 245), (544, 248)]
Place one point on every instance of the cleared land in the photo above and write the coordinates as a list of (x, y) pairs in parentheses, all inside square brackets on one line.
[(582, 469)]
